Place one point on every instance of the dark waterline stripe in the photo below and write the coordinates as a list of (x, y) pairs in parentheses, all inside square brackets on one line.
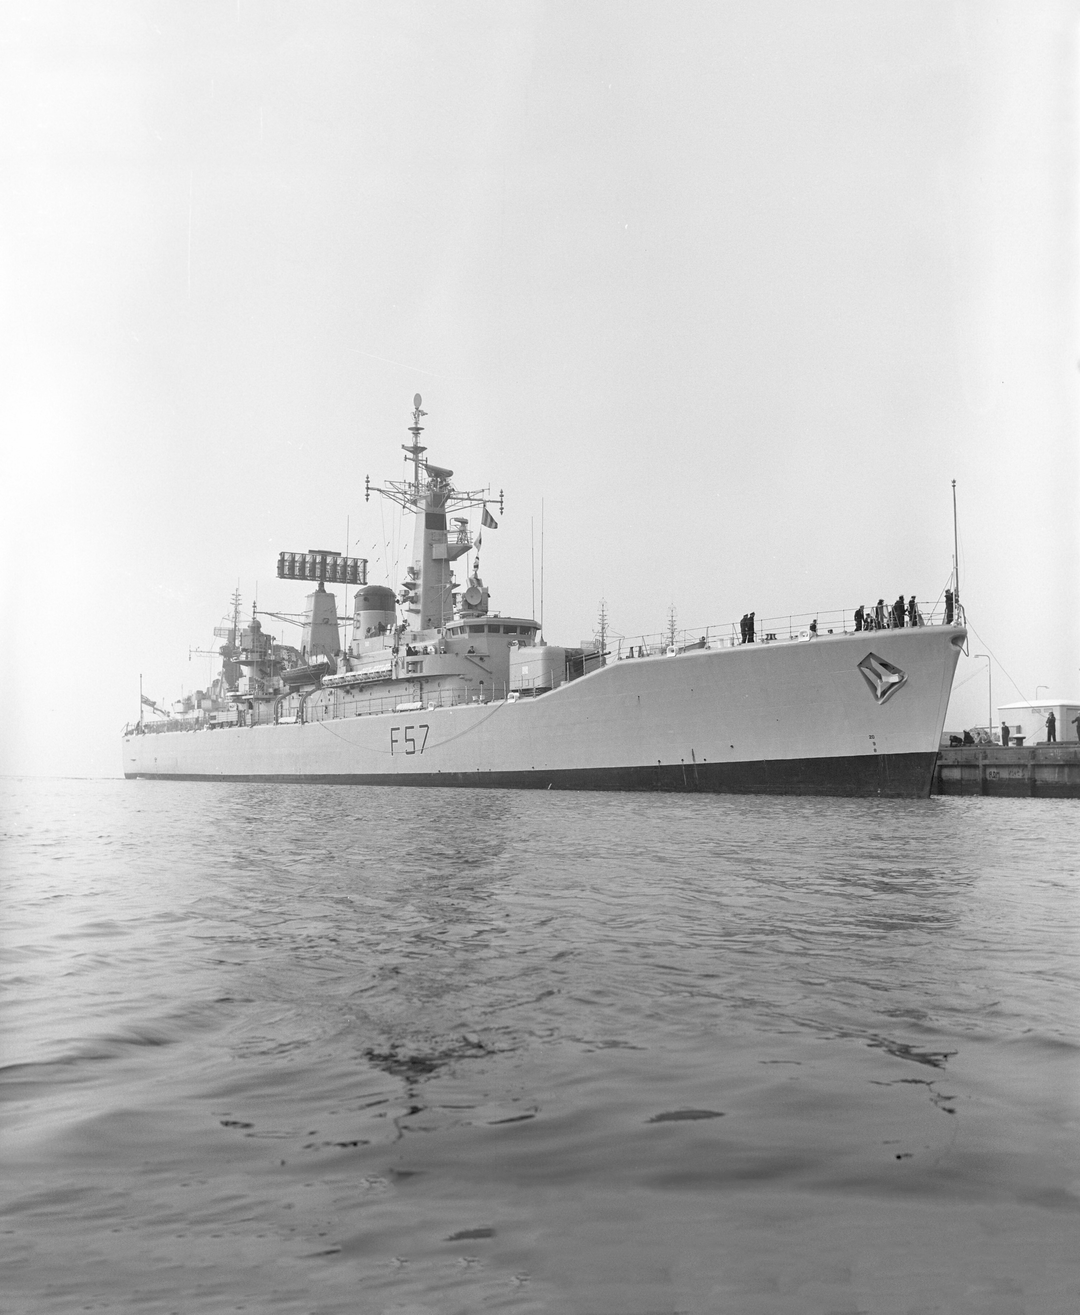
[(885, 775)]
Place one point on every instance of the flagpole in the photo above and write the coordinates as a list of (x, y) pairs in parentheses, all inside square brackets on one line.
[(140, 701), (956, 555), (541, 568)]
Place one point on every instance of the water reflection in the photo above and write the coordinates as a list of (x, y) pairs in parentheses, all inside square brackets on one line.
[(394, 1041)]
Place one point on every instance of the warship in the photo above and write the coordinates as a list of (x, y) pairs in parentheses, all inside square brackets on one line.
[(432, 687)]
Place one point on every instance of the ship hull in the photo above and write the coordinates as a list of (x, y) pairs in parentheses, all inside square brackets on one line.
[(788, 718)]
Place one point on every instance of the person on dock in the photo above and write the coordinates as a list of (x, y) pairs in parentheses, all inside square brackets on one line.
[(1051, 728), (1076, 723), (1004, 732), (860, 612)]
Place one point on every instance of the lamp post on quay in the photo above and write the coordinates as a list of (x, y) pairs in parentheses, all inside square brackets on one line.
[(989, 694)]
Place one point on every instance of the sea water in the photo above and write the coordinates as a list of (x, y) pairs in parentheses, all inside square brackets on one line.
[(317, 1049)]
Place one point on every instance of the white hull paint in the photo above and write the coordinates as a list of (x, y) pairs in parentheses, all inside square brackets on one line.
[(794, 717)]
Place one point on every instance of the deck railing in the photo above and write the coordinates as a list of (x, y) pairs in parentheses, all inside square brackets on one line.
[(795, 626), (492, 692)]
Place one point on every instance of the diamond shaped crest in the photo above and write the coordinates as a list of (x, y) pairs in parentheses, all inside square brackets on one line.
[(883, 678)]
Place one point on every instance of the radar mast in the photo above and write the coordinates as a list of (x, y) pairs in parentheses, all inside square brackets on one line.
[(427, 594)]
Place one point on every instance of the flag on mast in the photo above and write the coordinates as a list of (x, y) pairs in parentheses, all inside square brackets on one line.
[(487, 520)]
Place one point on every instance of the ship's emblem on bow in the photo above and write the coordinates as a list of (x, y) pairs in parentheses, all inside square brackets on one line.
[(883, 678)]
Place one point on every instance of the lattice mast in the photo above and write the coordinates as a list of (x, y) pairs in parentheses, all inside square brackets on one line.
[(672, 626)]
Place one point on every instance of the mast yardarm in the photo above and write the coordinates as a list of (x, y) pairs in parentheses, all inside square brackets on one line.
[(410, 494)]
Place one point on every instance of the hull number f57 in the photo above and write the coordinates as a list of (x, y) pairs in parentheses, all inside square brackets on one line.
[(408, 739)]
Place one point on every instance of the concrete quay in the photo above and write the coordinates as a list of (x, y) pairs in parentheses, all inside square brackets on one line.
[(1039, 771)]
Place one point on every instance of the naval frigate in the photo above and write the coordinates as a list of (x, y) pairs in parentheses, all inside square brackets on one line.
[(434, 688)]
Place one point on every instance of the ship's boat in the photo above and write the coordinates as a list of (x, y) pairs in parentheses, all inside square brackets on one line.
[(434, 688), (309, 674)]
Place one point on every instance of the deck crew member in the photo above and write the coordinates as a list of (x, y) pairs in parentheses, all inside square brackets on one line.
[(860, 612)]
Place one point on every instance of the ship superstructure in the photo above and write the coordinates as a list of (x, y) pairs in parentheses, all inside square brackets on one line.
[(429, 686)]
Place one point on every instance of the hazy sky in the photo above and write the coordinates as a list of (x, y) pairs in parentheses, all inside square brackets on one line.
[(734, 289)]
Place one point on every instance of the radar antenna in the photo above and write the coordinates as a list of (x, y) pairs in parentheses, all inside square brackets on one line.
[(416, 447), (427, 480)]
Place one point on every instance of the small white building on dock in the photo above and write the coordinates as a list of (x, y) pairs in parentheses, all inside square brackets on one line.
[(1027, 719)]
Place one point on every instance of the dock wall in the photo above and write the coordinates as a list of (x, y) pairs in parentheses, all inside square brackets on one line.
[(1041, 771)]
